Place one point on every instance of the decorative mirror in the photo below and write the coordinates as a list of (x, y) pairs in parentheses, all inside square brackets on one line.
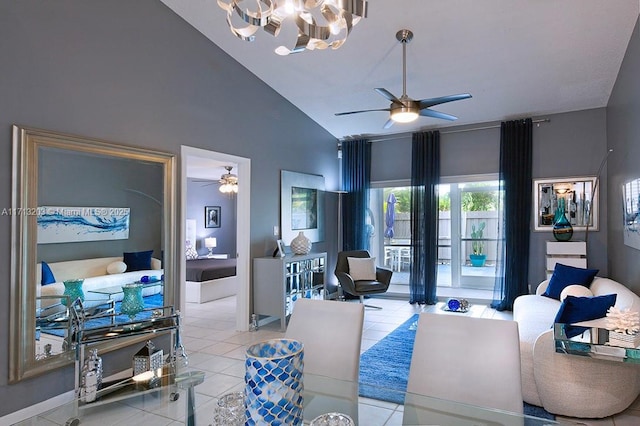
[(581, 202), (87, 213)]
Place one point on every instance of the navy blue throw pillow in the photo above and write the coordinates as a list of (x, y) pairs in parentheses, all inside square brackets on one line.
[(564, 276), (576, 309), (137, 260), (47, 275)]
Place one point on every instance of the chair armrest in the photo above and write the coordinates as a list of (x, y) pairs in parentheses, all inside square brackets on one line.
[(346, 282), (383, 275)]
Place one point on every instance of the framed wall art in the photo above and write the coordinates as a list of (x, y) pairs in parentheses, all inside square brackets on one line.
[(212, 217), (631, 213), (301, 206), (581, 202)]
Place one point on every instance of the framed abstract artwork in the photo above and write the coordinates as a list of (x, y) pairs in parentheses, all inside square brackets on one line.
[(302, 205)]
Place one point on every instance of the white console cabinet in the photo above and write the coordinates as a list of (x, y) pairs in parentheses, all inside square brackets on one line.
[(570, 253), (279, 281)]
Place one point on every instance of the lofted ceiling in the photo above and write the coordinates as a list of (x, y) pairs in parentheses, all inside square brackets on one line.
[(516, 58)]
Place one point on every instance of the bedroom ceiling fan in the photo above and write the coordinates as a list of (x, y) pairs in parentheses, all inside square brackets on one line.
[(405, 109)]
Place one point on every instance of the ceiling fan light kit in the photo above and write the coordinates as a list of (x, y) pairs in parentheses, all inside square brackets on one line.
[(405, 109), (228, 182), (320, 23)]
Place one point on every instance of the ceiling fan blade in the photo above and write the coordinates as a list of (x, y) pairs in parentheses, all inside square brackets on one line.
[(388, 124), (437, 114), (426, 103), (364, 110), (387, 95)]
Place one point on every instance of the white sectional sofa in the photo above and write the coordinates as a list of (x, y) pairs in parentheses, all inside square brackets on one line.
[(95, 275), (572, 385)]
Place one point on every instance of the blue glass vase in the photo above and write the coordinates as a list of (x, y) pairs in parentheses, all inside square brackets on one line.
[(132, 301), (562, 229), (73, 289)]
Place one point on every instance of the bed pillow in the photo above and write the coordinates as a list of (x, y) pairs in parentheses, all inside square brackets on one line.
[(564, 276), (575, 309), (362, 268), (47, 275), (138, 260), (116, 267)]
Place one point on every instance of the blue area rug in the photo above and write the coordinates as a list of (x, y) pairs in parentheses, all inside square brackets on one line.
[(153, 301), (384, 368)]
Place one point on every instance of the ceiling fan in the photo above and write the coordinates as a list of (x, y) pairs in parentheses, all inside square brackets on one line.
[(405, 109)]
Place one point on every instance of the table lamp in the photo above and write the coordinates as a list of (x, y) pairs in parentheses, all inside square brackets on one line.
[(210, 243)]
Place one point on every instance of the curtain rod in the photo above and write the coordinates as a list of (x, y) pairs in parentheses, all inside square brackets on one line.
[(393, 136)]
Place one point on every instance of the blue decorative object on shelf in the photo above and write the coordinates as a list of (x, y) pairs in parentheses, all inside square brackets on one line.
[(453, 304), (132, 301), (73, 289), (273, 382), (562, 229), (456, 305)]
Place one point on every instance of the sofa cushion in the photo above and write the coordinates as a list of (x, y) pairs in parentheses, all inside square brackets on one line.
[(564, 275), (575, 290), (576, 309), (116, 267), (362, 269), (138, 260), (47, 275)]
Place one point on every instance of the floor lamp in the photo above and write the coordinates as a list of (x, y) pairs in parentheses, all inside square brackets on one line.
[(340, 193)]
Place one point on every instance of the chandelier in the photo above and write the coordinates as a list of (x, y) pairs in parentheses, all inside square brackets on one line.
[(228, 181), (320, 23)]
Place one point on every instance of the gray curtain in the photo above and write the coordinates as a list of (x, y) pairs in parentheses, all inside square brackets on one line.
[(425, 177), (516, 145)]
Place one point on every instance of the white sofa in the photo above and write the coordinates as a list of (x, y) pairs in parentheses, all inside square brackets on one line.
[(95, 275), (571, 385)]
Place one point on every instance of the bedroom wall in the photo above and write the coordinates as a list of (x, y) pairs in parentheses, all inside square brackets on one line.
[(134, 73), (623, 134), (570, 144), (201, 194)]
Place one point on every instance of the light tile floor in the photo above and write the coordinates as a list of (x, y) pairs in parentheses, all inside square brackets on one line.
[(216, 348)]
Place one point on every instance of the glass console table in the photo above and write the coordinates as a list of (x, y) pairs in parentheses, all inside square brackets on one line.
[(157, 407), (592, 341)]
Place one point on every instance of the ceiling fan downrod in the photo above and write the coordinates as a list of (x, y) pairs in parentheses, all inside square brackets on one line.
[(404, 37)]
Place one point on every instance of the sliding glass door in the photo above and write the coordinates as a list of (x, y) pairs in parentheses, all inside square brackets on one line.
[(467, 227)]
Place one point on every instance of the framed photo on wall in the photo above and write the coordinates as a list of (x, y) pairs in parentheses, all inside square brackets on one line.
[(212, 217), (302, 206)]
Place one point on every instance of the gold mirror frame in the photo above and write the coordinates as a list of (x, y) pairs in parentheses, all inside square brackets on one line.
[(26, 145)]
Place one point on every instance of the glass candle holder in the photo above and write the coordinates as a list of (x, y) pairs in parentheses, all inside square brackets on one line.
[(73, 289), (132, 301)]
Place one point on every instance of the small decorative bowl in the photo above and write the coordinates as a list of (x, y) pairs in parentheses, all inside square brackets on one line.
[(332, 419)]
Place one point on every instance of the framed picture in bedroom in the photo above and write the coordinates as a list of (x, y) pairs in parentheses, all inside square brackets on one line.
[(212, 217)]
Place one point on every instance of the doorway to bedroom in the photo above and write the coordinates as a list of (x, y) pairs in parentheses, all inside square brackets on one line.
[(214, 229)]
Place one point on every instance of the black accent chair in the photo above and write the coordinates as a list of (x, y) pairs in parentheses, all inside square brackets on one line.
[(361, 288)]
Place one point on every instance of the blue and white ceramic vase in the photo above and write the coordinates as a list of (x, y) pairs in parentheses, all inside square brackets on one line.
[(73, 289), (273, 383)]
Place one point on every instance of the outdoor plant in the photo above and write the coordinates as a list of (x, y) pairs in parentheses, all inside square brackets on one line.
[(476, 234)]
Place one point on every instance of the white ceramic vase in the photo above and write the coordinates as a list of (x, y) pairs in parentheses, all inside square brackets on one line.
[(300, 244)]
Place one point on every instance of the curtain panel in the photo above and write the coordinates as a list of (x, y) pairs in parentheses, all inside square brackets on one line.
[(356, 179), (516, 145), (425, 177)]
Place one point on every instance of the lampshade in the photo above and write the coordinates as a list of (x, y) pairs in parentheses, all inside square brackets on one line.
[(210, 242), (406, 112)]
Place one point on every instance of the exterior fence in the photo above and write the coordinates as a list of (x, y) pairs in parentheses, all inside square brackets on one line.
[(402, 233)]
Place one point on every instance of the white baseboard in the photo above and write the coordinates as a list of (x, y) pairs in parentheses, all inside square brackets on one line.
[(40, 407)]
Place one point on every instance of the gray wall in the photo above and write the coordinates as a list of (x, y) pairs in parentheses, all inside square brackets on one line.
[(78, 180), (571, 144), (133, 72), (201, 194), (623, 134)]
